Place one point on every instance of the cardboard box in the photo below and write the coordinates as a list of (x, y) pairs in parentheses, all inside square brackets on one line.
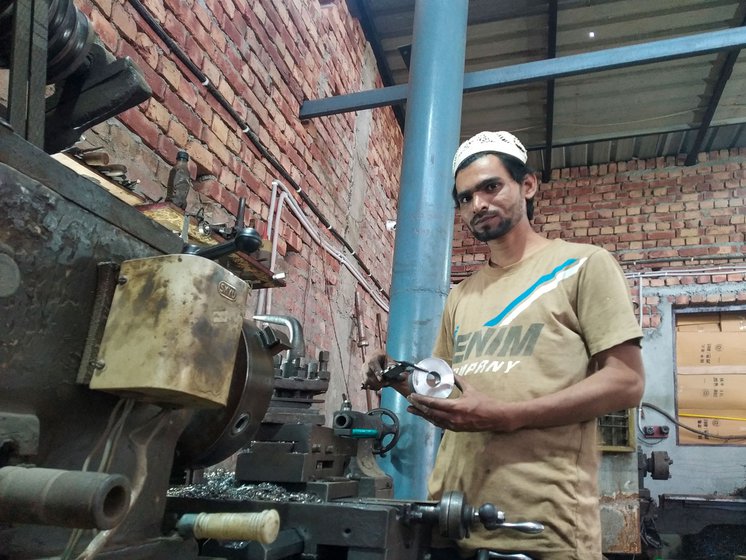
[(711, 392), (711, 348), (733, 322), (725, 423), (698, 322)]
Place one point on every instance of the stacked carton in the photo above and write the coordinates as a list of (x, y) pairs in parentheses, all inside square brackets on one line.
[(711, 376)]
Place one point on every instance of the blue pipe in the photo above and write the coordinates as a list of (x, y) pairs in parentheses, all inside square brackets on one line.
[(424, 231)]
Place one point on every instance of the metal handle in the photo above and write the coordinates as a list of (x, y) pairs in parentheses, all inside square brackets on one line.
[(531, 527), (247, 240), (485, 554), (499, 555)]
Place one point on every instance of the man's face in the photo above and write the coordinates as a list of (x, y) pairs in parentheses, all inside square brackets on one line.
[(490, 201)]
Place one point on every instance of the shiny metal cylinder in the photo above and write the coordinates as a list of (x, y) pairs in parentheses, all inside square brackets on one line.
[(77, 499)]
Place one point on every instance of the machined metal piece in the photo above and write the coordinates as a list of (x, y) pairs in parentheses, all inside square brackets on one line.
[(432, 377), (294, 453), (370, 425), (85, 500), (297, 342), (455, 518), (214, 435), (70, 37)]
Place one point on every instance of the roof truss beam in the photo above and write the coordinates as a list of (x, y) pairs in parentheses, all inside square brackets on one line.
[(726, 70), (571, 65)]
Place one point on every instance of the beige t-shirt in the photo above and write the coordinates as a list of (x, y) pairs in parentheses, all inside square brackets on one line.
[(517, 333)]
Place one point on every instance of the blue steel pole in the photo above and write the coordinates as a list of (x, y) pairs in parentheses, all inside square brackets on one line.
[(424, 230)]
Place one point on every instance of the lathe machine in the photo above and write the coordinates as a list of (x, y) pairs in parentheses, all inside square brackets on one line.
[(128, 366)]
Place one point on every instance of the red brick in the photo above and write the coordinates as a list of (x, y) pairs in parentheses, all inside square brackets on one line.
[(123, 20), (105, 30), (182, 113), (140, 125)]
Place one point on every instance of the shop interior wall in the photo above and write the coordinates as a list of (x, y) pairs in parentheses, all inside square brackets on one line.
[(265, 58)]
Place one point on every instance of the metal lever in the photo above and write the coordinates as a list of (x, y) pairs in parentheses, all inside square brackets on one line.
[(247, 240), (484, 554), (492, 518), (531, 527)]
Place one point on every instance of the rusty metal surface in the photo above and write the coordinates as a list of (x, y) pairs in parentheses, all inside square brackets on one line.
[(172, 332), (620, 522), (214, 435), (690, 513), (36, 164), (86, 500), (56, 241)]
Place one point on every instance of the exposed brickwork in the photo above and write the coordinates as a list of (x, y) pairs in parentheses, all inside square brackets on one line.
[(265, 57), (660, 218)]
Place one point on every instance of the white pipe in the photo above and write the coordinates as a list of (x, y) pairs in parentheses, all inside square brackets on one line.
[(264, 303), (680, 272), (687, 272), (273, 255), (261, 300)]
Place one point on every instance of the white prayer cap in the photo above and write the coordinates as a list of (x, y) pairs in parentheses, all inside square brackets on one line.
[(487, 141)]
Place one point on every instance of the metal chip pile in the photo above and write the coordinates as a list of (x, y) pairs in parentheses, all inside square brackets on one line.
[(221, 485)]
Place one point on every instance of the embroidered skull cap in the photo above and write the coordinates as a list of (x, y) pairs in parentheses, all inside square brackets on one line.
[(501, 141)]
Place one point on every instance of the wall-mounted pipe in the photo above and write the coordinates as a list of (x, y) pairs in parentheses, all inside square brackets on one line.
[(377, 295), (77, 499)]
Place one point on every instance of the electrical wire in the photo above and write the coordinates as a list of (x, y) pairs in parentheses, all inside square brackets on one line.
[(694, 430), (336, 336)]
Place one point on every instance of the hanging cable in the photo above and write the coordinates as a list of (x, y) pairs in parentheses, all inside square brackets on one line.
[(251, 135), (694, 430)]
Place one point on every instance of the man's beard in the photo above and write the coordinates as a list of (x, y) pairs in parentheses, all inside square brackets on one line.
[(495, 232)]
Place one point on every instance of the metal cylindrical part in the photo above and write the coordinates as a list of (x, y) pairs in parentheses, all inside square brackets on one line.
[(77, 499), (262, 526), (343, 420)]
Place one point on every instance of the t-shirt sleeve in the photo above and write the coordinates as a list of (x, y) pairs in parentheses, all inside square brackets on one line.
[(605, 310), (444, 340)]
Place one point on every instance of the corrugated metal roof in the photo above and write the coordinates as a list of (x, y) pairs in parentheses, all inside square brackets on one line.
[(642, 111)]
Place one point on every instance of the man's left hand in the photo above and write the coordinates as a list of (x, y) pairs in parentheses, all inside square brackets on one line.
[(470, 412)]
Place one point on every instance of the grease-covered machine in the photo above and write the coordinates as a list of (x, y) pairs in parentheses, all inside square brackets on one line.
[(128, 364)]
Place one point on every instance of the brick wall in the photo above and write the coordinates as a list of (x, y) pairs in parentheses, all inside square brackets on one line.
[(680, 231), (265, 57)]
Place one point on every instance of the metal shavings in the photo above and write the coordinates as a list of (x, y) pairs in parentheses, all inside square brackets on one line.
[(221, 485)]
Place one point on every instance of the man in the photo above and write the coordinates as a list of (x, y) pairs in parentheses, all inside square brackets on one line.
[(544, 340)]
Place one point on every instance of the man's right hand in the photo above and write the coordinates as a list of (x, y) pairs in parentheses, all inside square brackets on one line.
[(373, 374)]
